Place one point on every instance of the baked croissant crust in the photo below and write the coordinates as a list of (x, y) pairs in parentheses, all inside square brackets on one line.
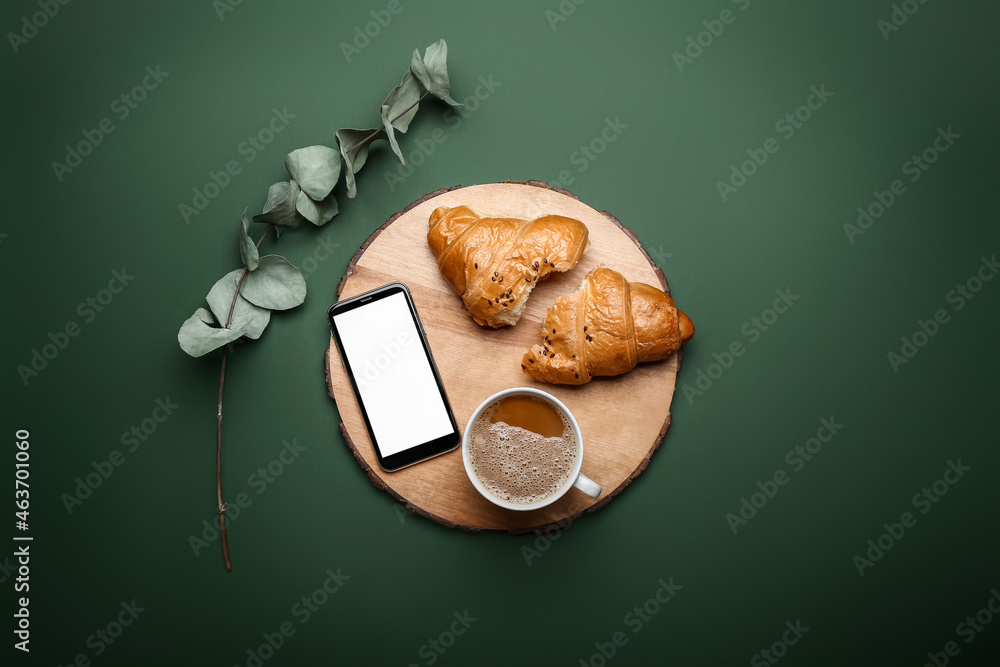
[(494, 263), (606, 328)]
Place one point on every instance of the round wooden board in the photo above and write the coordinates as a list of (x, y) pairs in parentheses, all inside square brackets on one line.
[(623, 418)]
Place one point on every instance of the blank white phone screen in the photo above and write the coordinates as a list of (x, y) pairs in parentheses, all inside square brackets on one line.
[(393, 374)]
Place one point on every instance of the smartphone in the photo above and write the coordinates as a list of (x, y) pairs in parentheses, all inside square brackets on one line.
[(382, 344)]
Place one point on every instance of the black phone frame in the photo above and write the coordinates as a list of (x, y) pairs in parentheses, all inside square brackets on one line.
[(417, 453)]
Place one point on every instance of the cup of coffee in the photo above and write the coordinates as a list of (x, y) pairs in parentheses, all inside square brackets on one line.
[(523, 450)]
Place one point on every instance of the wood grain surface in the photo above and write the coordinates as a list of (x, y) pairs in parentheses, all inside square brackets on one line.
[(623, 418)]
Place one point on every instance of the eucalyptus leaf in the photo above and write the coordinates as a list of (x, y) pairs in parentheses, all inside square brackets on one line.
[(279, 209), (245, 314), (197, 338), (204, 316), (403, 98), (317, 212), (354, 160), (315, 168), (276, 284), (248, 251), (432, 71)]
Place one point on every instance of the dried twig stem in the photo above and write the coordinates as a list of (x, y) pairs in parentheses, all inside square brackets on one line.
[(218, 440)]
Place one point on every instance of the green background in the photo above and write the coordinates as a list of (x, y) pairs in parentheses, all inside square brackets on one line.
[(826, 357)]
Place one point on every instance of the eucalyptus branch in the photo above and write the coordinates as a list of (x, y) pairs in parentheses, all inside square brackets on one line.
[(374, 133), (232, 306), (242, 301), (218, 442), (218, 469)]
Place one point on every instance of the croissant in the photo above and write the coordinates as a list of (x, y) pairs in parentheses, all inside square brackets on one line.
[(606, 328), (494, 263)]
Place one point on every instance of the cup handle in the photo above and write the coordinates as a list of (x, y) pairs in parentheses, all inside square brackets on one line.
[(588, 486)]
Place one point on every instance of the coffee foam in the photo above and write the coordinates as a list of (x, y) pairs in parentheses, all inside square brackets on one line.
[(518, 465)]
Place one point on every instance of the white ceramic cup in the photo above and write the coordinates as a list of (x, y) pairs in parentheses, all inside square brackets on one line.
[(576, 478)]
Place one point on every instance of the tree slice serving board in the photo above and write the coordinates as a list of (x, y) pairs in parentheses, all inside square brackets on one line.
[(622, 418)]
